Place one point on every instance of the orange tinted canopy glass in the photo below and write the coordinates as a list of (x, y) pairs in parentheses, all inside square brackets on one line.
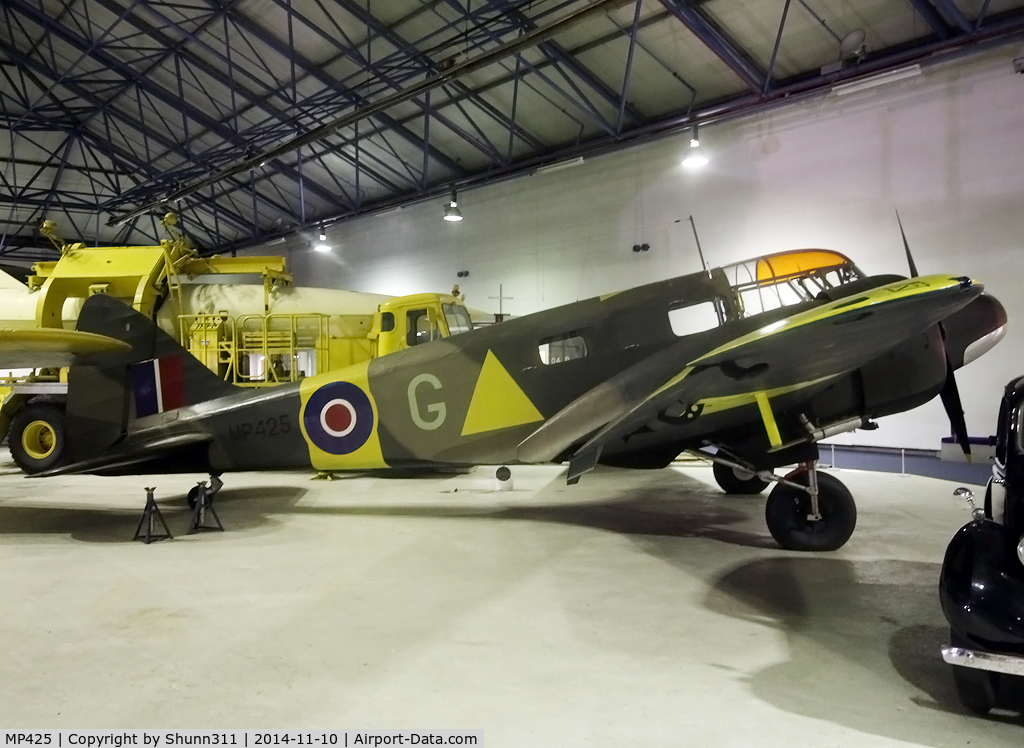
[(799, 261)]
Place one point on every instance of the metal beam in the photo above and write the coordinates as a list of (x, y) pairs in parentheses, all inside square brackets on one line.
[(798, 89), (927, 11), (478, 63), (950, 9), (717, 42)]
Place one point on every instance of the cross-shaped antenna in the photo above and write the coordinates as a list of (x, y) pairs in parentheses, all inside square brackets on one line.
[(501, 297)]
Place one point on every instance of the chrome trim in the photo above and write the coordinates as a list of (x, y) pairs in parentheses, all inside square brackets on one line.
[(996, 663)]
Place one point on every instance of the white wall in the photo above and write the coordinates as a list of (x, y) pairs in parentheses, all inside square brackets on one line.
[(946, 148)]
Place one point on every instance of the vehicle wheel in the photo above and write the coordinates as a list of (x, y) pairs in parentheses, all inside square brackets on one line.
[(193, 497), (976, 689), (787, 510), (37, 437), (732, 480)]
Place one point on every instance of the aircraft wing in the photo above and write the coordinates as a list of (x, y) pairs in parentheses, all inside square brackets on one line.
[(810, 346), (45, 347)]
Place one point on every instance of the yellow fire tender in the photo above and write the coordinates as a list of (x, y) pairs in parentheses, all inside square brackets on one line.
[(250, 333)]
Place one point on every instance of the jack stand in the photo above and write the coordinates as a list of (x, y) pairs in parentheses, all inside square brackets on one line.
[(147, 525), (323, 475), (204, 505)]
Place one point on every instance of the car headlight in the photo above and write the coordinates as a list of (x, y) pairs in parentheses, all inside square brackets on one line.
[(1020, 549)]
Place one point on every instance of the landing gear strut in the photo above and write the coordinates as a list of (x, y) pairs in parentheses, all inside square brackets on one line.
[(810, 511), (806, 511)]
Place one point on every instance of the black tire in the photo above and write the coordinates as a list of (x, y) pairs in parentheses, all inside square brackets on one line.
[(38, 438), (735, 481), (788, 508), (193, 497), (977, 690)]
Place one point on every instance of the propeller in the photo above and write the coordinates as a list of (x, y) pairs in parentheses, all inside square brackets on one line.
[(950, 394)]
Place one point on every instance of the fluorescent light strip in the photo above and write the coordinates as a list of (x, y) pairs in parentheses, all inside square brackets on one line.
[(578, 161), (876, 80)]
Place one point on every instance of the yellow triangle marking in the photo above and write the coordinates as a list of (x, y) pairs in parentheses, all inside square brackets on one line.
[(498, 402)]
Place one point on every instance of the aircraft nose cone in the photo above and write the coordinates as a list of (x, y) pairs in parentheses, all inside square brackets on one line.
[(975, 329)]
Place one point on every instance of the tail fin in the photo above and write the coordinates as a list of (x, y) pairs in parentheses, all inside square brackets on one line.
[(156, 375)]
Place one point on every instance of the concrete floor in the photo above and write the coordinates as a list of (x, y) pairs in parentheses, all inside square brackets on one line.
[(635, 609)]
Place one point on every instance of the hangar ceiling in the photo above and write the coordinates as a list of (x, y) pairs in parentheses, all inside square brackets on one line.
[(257, 118)]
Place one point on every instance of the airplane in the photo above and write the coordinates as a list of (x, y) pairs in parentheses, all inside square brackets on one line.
[(748, 365)]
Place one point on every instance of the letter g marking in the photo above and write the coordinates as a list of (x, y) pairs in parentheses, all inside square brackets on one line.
[(438, 409)]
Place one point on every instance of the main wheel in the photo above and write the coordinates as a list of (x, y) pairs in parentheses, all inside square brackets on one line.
[(37, 437), (737, 481), (976, 689), (787, 514)]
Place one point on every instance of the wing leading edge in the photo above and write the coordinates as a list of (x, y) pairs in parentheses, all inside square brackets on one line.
[(52, 347)]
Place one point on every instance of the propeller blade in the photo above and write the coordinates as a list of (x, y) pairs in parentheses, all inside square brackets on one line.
[(906, 248), (950, 395), (955, 410)]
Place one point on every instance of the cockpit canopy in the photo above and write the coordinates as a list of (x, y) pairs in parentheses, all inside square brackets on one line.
[(787, 278)]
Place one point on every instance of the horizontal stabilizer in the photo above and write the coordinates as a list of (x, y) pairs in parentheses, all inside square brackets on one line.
[(142, 451), (53, 347)]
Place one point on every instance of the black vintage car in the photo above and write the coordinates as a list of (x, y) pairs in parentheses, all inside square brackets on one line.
[(982, 582)]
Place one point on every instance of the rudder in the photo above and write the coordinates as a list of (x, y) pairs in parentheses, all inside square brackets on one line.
[(157, 375)]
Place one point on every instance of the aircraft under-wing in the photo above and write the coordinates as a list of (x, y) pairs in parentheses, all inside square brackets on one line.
[(748, 365)]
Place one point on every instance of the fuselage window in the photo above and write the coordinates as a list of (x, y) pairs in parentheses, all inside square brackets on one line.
[(562, 348), (687, 320), (457, 318), (420, 328)]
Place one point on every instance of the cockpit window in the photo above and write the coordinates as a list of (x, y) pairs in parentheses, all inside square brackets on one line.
[(788, 278), (457, 318)]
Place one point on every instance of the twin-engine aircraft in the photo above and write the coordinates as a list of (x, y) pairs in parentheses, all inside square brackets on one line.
[(748, 365)]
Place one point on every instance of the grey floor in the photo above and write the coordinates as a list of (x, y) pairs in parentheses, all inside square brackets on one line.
[(635, 609)]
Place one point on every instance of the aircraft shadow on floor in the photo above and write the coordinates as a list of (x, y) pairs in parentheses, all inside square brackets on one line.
[(668, 504), (863, 640), (244, 509)]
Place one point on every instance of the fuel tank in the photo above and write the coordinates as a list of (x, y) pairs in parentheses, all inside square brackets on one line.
[(241, 300)]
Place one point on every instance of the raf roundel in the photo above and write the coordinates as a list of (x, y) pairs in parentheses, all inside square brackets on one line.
[(338, 418)]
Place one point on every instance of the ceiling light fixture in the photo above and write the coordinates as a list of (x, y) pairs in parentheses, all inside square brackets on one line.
[(891, 76), (695, 157), (578, 161), (323, 246), (451, 209)]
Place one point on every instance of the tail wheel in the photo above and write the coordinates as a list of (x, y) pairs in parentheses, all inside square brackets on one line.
[(37, 437), (788, 515), (732, 480)]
